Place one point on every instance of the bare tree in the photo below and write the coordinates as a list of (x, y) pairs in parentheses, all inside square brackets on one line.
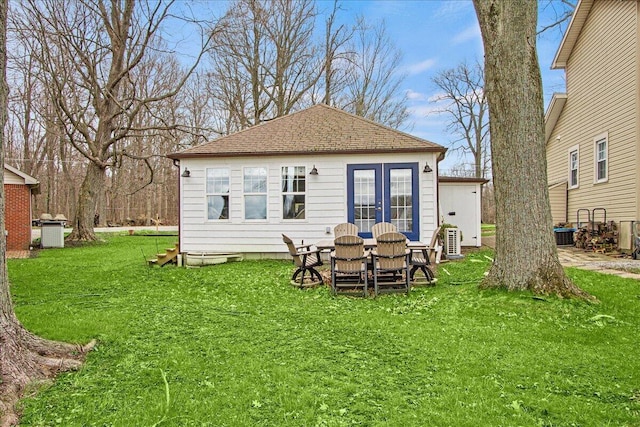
[(336, 55), (24, 357), (561, 13), (514, 91), (266, 61), (373, 78), (89, 51), (462, 93)]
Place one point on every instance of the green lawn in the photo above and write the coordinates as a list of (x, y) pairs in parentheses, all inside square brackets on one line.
[(236, 345), (488, 229)]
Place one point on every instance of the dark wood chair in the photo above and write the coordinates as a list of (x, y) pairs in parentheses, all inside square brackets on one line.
[(345, 229), (349, 265), (425, 258), (391, 264), (306, 259)]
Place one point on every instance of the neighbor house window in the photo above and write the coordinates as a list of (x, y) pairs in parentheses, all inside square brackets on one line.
[(217, 193), (573, 167), (255, 193), (601, 158), (294, 185)]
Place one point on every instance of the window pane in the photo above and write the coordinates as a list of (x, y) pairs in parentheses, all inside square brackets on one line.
[(293, 179), (401, 199), (602, 150), (601, 158), (364, 196), (573, 169), (217, 181), (218, 207), (602, 170), (255, 180), (255, 207), (293, 206)]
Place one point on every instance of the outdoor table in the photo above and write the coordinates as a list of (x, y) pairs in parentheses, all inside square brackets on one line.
[(328, 245), (420, 263)]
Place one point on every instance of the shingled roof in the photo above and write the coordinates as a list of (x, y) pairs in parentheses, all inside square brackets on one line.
[(320, 129)]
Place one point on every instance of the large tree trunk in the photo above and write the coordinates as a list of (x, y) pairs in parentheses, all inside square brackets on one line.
[(526, 256), (24, 358), (87, 202)]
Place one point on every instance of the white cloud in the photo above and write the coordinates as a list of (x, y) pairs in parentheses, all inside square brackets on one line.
[(415, 96), (420, 67), (449, 9), (469, 33)]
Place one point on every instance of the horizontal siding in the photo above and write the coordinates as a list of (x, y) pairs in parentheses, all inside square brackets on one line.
[(558, 199), (326, 204), (12, 178), (602, 88)]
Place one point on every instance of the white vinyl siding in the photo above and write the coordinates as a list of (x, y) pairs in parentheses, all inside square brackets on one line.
[(602, 95), (574, 167), (325, 202), (601, 158)]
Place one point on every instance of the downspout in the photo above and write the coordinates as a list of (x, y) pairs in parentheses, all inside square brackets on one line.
[(176, 163)]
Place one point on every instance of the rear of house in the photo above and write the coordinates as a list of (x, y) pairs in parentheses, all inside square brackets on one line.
[(301, 175), (592, 131)]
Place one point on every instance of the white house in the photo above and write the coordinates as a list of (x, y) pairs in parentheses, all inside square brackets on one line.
[(301, 175)]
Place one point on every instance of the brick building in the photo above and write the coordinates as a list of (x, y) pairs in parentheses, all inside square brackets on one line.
[(18, 187)]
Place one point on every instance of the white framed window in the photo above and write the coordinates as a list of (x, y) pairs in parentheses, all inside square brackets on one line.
[(601, 157), (574, 167), (294, 187), (255, 192), (217, 193)]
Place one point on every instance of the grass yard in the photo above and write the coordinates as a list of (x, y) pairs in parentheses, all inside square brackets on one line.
[(488, 230), (236, 345)]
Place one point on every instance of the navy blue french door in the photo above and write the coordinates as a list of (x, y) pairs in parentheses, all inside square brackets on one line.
[(384, 192)]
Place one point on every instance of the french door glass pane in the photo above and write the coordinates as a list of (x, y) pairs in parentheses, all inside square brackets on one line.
[(364, 199), (401, 199)]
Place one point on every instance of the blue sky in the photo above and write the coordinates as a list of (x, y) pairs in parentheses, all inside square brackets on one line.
[(433, 35), (436, 35)]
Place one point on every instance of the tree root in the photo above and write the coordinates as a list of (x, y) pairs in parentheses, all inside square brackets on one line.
[(546, 281), (26, 359)]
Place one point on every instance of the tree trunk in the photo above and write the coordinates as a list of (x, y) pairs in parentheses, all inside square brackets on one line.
[(85, 212), (526, 256), (24, 358)]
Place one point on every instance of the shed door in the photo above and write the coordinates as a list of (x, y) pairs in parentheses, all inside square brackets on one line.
[(458, 206), (384, 193)]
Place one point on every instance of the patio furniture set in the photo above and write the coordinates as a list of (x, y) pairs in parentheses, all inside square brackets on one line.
[(388, 260)]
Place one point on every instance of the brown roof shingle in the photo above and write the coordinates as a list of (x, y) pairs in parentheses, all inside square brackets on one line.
[(320, 129)]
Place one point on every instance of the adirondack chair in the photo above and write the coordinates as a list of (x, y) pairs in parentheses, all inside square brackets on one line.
[(305, 258), (424, 259), (391, 264), (381, 228), (345, 229), (349, 265)]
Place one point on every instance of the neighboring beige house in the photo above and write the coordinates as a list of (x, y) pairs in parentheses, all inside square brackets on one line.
[(303, 174), (593, 151)]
